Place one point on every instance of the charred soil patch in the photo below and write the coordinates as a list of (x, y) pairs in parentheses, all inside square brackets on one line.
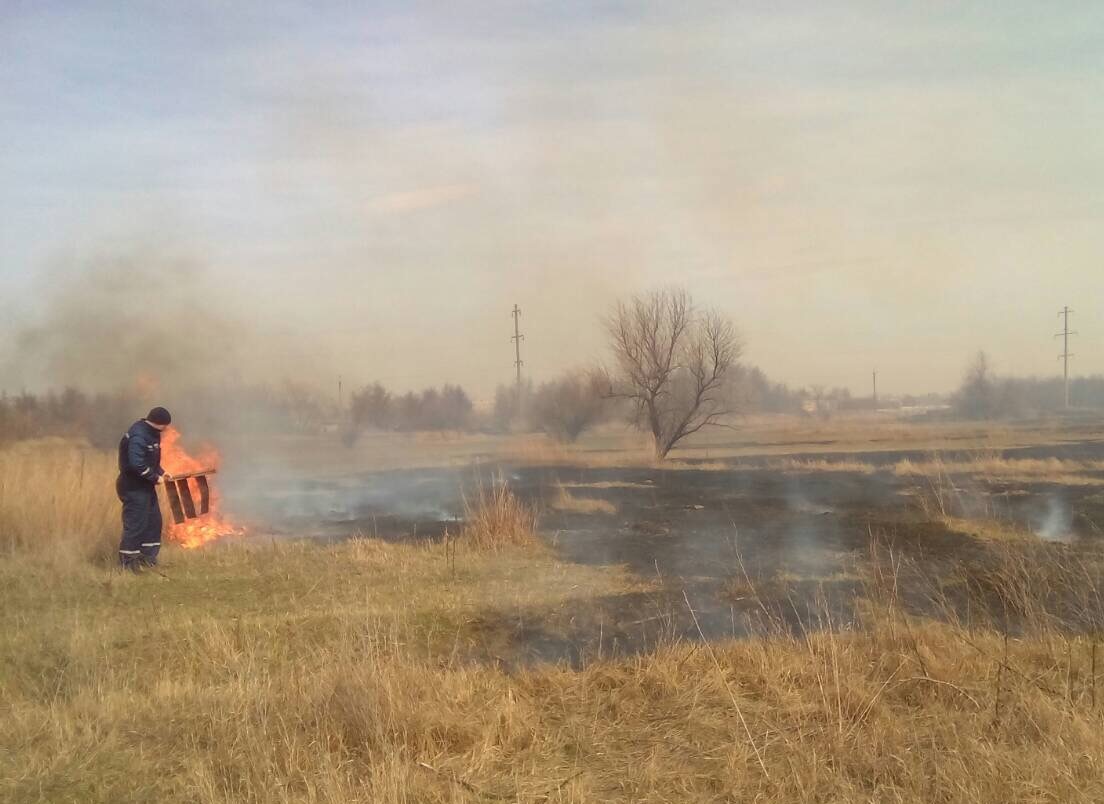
[(722, 550)]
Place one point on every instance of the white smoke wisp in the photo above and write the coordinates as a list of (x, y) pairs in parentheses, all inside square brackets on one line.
[(1057, 522)]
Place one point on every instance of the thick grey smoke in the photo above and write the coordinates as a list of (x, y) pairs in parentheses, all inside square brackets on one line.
[(134, 320), (145, 321)]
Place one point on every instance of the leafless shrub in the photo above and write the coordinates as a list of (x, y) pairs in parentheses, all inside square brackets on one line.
[(671, 363), (567, 407), (976, 397)]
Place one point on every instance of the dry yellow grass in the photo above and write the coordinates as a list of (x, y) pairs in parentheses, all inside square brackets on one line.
[(626, 449), (984, 466), (302, 673), (364, 672), (564, 500), (619, 445), (609, 484), (495, 518), (821, 465), (57, 501), (1016, 470), (988, 528)]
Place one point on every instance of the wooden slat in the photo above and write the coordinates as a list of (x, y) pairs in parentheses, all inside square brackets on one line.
[(174, 503), (204, 494), (197, 473), (185, 497)]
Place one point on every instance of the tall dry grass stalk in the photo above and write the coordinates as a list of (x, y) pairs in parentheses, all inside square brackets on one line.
[(57, 500), (539, 450), (564, 500), (495, 518), (821, 465), (992, 467)]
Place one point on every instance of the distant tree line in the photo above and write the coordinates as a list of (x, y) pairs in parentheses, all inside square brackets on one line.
[(564, 407), (676, 372), (754, 392), (447, 408), (101, 418), (67, 413), (983, 394)]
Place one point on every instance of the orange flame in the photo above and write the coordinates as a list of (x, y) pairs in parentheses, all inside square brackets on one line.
[(192, 533)]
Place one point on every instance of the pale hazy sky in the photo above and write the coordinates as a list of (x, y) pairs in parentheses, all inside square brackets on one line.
[(858, 185)]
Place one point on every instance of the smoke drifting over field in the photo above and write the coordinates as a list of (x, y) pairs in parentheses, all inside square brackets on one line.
[(147, 321), (109, 324)]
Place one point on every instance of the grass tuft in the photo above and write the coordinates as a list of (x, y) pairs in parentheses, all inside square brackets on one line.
[(496, 518), (564, 500)]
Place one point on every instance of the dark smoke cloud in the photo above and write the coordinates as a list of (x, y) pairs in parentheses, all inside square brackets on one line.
[(139, 319)]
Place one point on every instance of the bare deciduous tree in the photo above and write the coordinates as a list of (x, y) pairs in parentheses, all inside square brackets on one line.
[(977, 396), (372, 406), (672, 362)]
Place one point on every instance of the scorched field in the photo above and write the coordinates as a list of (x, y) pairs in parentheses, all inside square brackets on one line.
[(886, 612)]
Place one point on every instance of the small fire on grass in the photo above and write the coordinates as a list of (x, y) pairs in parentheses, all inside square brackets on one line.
[(198, 531)]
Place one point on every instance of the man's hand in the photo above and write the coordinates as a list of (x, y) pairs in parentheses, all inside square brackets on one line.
[(165, 478)]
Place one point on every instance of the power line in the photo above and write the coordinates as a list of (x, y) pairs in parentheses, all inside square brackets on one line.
[(1066, 355)]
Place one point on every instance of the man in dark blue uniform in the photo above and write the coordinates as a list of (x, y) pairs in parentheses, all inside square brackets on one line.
[(139, 474)]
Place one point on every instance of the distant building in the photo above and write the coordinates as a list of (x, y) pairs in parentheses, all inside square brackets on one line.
[(819, 407)]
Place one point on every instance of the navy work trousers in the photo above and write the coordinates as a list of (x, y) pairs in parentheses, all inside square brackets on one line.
[(141, 525)]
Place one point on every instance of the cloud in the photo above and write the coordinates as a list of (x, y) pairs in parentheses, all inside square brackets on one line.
[(424, 198), (388, 185)]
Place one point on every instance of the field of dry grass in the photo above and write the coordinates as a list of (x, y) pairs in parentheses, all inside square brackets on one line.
[(618, 445), (343, 674), (365, 672)]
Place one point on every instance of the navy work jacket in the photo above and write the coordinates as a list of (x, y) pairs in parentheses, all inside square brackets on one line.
[(140, 456)]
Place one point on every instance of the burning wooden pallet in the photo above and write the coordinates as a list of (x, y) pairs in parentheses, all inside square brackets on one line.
[(181, 500)]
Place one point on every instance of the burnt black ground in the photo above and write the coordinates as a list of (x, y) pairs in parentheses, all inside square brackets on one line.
[(724, 548)]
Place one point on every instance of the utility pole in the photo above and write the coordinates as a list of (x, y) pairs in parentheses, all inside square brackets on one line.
[(517, 339), (339, 401), (1065, 356), (875, 375)]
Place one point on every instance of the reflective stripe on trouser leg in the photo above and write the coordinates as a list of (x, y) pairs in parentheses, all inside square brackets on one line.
[(139, 506), (151, 536)]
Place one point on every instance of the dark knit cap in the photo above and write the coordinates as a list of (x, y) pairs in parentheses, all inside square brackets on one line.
[(159, 416)]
